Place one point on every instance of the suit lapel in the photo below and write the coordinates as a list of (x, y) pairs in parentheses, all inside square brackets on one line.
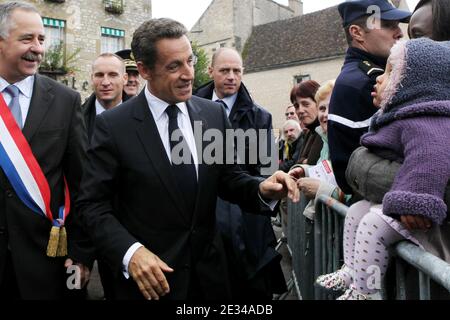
[(39, 106), (149, 136)]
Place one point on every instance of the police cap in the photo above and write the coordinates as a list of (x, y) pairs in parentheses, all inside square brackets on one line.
[(352, 10), (130, 64)]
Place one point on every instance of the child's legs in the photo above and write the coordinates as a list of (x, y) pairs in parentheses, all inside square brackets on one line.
[(354, 215), (374, 236)]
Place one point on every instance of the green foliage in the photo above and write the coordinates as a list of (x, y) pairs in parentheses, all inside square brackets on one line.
[(201, 68), (114, 6), (56, 60)]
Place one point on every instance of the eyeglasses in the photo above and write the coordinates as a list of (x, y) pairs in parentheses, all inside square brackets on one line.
[(287, 114)]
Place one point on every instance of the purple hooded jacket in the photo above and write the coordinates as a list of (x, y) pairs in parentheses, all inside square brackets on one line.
[(413, 126)]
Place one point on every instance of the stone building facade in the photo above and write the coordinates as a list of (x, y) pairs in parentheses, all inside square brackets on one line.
[(229, 23), (88, 28), (271, 87)]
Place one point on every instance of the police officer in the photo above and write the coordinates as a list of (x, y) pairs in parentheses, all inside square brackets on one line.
[(371, 28), (133, 85)]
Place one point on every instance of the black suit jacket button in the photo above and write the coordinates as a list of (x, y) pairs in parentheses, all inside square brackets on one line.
[(2, 231), (9, 194), (186, 266)]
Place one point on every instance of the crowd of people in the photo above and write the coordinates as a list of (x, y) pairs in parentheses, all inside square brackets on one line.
[(120, 179), (386, 126)]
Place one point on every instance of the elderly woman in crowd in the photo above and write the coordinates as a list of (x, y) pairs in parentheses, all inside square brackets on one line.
[(311, 187)]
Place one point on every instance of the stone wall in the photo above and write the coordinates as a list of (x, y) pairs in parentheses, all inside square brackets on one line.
[(215, 27), (229, 23), (271, 88), (84, 19), (268, 11)]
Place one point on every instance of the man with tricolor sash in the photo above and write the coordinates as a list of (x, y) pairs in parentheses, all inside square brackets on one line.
[(42, 150)]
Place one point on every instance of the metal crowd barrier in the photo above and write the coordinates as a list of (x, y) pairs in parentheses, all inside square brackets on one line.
[(316, 248)]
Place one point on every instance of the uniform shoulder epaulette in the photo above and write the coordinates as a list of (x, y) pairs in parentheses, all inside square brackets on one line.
[(371, 69)]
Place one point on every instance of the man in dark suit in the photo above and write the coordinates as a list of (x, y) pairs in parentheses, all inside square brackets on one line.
[(161, 231), (108, 79), (254, 264), (50, 117)]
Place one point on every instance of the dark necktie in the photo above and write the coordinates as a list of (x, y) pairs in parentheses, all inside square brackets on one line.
[(184, 172), (14, 105), (224, 104)]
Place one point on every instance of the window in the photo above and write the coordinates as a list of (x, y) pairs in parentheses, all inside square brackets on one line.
[(54, 33), (301, 78), (113, 40)]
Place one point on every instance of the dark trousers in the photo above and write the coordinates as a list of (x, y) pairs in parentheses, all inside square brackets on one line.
[(107, 279), (195, 291), (9, 290)]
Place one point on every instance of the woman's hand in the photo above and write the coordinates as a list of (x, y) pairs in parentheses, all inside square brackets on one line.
[(297, 173), (309, 186)]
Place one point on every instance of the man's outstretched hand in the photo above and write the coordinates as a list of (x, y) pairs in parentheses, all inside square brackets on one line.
[(147, 269), (278, 186)]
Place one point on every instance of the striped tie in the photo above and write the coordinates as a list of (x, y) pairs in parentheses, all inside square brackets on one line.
[(14, 105)]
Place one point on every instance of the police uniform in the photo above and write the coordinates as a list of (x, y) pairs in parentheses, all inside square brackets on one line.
[(130, 64), (351, 104), (130, 67)]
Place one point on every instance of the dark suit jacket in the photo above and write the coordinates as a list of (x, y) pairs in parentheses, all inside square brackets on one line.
[(251, 237), (127, 160), (55, 131), (89, 114)]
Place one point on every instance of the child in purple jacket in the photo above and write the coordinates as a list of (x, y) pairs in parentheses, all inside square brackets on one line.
[(413, 128)]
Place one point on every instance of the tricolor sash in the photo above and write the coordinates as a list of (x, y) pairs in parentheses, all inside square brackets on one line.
[(28, 180)]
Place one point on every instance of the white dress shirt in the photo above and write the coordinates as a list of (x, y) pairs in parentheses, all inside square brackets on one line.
[(158, 110), (25, 93), (229, 101), (100, 109)]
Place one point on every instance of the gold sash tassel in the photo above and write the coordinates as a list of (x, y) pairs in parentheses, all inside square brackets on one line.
[(62, 245), (53, 242)]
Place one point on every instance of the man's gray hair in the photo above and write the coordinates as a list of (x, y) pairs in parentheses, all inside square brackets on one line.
[(291, 123), (6, 10), (145, 37)]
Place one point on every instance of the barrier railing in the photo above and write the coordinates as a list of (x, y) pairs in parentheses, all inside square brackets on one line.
[(316, 248)]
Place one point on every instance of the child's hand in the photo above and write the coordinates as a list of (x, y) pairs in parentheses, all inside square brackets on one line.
[(412, 222)]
